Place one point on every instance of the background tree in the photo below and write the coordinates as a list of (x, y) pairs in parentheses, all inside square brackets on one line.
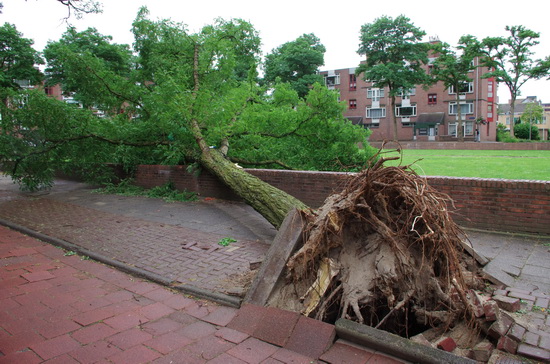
[(453, 67), (297, 63), (394, 57), (91, 51), (532, 114), (510, 59), (184, 102), (19, 61)]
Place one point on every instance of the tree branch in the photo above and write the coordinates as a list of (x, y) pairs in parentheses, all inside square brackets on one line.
[(261, 163)]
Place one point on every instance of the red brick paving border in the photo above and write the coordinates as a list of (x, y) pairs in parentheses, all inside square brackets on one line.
[(106, 316)]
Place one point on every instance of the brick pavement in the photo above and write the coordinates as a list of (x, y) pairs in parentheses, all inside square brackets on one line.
[(180, 254), (61, 308)]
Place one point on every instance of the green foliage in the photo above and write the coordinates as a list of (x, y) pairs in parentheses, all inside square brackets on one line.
[(511, 60), (179, 94), (85, 64), (503, 135), (521, 131), (167, 192), (395, 55), (297, 63), (226, 241), (18, 60)]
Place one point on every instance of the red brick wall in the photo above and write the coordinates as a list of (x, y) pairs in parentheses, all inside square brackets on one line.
[(490, 204), (465, 145)]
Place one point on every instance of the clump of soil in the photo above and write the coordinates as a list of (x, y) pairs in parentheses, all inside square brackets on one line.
[(384, 252)]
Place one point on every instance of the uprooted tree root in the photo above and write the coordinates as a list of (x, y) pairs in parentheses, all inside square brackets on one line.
[(385, 253)]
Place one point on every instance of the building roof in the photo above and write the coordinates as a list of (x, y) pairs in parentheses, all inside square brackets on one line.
[(431, 118)]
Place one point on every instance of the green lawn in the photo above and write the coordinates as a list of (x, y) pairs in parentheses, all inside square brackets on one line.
[(507, 164)]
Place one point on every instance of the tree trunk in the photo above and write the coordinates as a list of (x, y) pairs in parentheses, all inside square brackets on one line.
[(394, 118), (270, 202), (512, 111), (459, 127)]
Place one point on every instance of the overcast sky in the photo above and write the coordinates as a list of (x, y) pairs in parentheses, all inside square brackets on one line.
[(336, 23)]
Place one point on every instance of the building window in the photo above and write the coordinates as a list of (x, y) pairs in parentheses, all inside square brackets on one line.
[(332, 80), (465, 108), (376, 112), (467, 127), (352, 104), (464, 88), (406, 94), (405, 111), (375, 94), (352, 82), (432, 99)]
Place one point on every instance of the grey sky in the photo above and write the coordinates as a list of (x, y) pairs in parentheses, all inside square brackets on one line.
[(336, 23)]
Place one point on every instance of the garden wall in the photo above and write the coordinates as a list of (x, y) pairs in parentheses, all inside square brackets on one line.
[(489, 204), (465, 145)]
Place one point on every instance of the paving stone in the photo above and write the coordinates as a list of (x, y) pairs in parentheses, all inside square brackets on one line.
[(129, 338), (507, 344), (221, 316), (198, 330), (542, 302), (531, 338), (136, 354), (38, 276), (311, 337), (248, 318), (253, 350), (276, 326), (231, 335), (446, 343), (533, 352), (168, 342), (341, 352), (93, 352), (483, 351), (491, 310), (208, 347), (516, 332), (545, 343), (54, 347), (509, 304), (229, 359), (25, 357), (92, 333), (163, 325)]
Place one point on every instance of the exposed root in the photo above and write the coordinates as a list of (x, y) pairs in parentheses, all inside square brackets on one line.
[(397, 251)]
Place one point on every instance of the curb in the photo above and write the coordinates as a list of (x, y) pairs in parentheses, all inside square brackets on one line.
[(394, 345), (135, 271)]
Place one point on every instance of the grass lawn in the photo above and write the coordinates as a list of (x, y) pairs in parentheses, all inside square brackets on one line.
[(507, 164)]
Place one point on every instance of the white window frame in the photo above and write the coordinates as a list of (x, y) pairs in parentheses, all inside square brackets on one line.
[(467, 128), (370, 110), (375, 94), (398, 111), (453, 110), (335, 77), (406, 94), (470, 88)]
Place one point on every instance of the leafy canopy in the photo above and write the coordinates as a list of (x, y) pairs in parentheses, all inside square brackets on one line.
[(18, 59), (174, 92), (511, 60), (297, 63), (394, 56)]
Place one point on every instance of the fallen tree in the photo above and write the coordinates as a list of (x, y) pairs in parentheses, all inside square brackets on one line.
[(383, 252)]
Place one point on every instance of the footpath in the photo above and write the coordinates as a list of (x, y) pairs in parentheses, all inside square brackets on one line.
[(60, 307)]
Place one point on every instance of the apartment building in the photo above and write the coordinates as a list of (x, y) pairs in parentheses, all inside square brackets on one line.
[(424, 115)]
